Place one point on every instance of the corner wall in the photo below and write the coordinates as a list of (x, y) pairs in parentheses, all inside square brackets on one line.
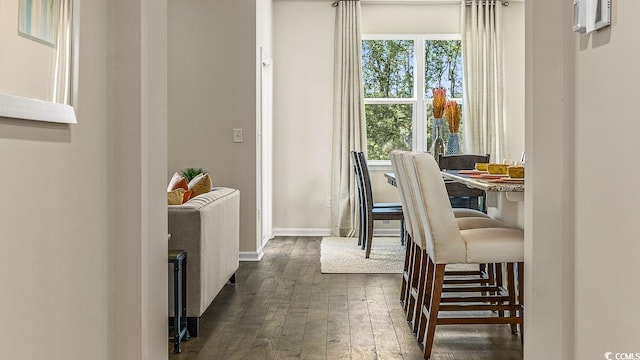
[(136, 166), (549, 316)]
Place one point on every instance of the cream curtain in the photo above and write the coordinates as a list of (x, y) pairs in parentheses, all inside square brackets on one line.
[(62, 59), (483, 98), (349, 127)]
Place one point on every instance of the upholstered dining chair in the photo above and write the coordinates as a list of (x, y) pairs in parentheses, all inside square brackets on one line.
[(356, 157), (460, 193), (445, 244), (410, 236), (415, 261)]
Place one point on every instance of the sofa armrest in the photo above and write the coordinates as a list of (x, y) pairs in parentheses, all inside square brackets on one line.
[(207, 228)]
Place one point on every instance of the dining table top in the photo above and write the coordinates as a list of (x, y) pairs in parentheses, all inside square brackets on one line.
[(477, 180), (483, 181)]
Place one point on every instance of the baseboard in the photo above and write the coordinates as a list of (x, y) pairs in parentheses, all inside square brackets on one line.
[(327, 232), (251, 255), (301, 232), (265, 242)]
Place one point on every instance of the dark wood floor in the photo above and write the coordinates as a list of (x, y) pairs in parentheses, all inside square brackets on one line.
[(283, 308)]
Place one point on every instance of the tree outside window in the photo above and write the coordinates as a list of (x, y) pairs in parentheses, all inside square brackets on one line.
[(398, 75)]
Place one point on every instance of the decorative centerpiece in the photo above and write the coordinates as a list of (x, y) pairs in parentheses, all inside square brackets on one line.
[(439, 102), (453, 118)]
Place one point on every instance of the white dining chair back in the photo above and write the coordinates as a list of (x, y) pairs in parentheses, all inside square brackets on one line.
[(444, 243), (406, 192)]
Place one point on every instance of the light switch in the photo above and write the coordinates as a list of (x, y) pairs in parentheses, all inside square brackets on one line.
[(237, 135)]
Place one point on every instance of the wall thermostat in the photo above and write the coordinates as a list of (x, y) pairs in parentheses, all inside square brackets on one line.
[(601, 13)]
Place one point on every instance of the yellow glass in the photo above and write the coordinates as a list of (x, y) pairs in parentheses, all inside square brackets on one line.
[(498, 169), (516, 171), (481, 166)]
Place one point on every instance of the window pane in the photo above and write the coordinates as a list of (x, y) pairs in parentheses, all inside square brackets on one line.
[(445, 128), (387, 68), (443, 67), (388, 128)]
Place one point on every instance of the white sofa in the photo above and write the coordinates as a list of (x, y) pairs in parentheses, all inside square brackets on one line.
[(207, 228)]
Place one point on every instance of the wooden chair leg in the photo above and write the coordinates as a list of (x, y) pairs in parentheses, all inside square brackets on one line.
[(422, 280), (426, 297), (410, 280), (521, 297), (489, 270), (498, 274), (410, 276), (361, 232), (436, 294), (511, 283), (492, 274), (369, 237), (415, 279), (365, 229), (406, 272), (499, 283)]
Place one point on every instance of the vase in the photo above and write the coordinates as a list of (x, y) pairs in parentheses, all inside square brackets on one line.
[(453, 145), (437, 145), (434, 131)]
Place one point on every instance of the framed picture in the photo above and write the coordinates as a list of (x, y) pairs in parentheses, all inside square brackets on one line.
[(38, 20)]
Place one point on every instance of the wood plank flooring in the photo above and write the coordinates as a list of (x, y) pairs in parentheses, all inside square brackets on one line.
[(283, 308)]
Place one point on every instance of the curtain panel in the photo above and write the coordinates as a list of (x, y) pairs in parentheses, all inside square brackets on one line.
[(349, 126), (483, 96)]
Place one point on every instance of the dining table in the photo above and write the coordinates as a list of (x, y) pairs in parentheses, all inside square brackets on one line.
[(504, 197), (493, 185)]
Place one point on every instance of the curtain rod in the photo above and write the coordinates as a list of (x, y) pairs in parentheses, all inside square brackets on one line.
[(443, 2)]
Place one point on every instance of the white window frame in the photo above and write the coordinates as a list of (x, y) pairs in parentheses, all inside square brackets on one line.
[(419, 99)]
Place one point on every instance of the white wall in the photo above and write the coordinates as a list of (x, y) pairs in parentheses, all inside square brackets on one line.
[(212, 90), (81, 282), (606, 206), (414, 19), (513, 35), (53, 225), (303, 111), (303, 55), (25, 65), (514, 69)]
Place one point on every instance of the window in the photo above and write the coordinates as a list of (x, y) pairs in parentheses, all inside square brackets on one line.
[(399, 73)]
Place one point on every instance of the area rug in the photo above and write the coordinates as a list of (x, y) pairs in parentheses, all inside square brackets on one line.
[(341, 255)]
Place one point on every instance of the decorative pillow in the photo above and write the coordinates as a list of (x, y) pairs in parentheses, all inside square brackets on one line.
[(201, 184), (187, 196), (182, 184), (177, 181), (195, 179), (176, 196)]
